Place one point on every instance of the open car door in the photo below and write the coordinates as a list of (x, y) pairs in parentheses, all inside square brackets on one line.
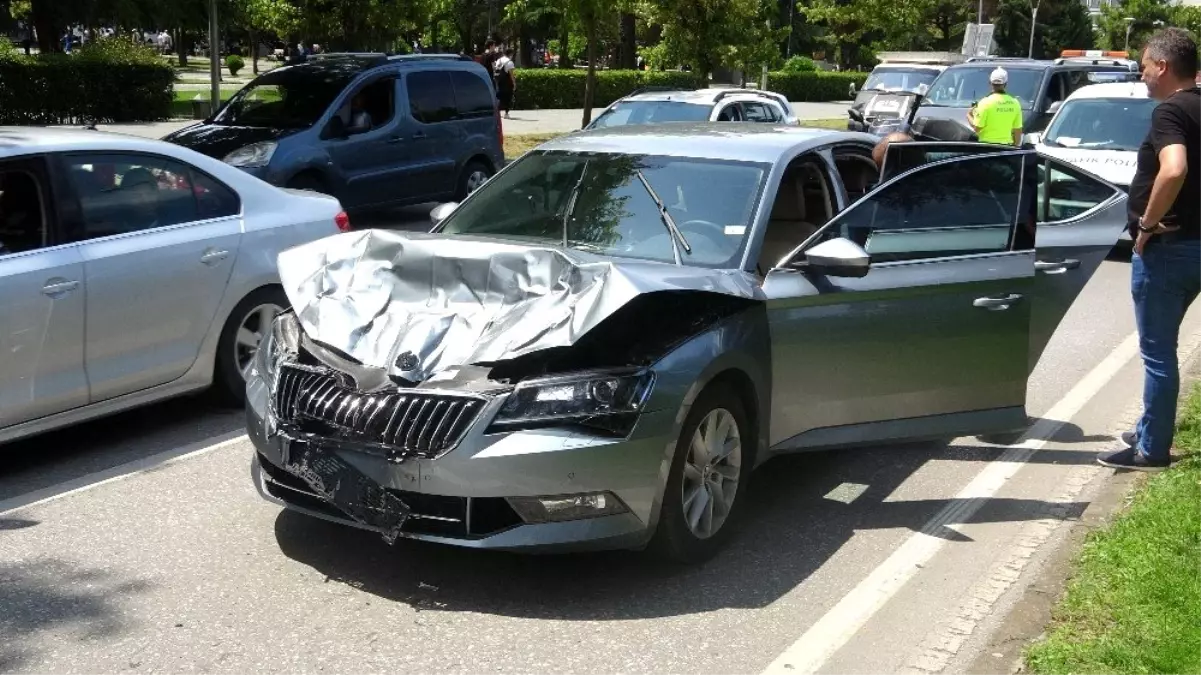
[(1080, 218)]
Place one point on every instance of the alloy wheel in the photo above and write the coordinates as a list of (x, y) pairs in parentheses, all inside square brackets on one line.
[(711, 472), (475, 179), (251, 330)]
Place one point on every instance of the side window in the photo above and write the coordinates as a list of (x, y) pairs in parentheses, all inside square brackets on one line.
[(959, 207), (1065, 193), (431, 96), (129, 193), (23, 201), (214, 199), (372, 106), (472, 96), (1075, 80), (901, 157), (729, 113), (758, 112)]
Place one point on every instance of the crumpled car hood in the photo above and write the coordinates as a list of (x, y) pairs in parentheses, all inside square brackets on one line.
[(416, 305)]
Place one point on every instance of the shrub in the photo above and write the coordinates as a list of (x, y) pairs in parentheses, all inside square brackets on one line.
[(542, 88), (105, 82), (816, 86), (799, 64), (234, 63)]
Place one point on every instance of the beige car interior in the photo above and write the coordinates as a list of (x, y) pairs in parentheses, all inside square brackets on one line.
[(803, 204)]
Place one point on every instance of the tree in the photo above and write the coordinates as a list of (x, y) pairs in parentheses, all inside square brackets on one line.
[(704, 33), (901, 24), (1062, 24), (1146, 13), (278, 17), (1187, 17), (590, 14)]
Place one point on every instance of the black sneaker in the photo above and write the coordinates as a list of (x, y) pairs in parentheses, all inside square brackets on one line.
[(1130, 460), (1130, 439)]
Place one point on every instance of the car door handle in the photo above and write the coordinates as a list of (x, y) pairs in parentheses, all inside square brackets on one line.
[(419, 135), (59, 286), (213, 256), (1056, 266), (997, 304), (396, 139)]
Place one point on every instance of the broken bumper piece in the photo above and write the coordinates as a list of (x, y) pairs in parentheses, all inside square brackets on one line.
[(345, 488)]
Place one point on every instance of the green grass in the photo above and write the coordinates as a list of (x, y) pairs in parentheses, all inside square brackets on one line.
[(1133, 604), (182, 106), (839, 123)]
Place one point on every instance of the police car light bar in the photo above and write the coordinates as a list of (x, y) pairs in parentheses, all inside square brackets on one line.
[(1093, 54)]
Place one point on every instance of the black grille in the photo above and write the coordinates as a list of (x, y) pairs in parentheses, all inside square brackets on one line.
[(412, 423)]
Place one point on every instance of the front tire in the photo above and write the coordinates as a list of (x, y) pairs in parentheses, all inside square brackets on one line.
[(239, 340), (473, 176), (706, 487)]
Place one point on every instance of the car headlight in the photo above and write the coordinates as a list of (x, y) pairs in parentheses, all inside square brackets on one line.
[(607, 402), (253, 155)]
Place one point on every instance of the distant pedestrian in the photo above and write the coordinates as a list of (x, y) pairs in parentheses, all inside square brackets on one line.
[(491, 54), (1165, 221), (997, 118), (506, 80)]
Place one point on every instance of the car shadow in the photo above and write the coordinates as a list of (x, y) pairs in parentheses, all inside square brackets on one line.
[(791, 529)]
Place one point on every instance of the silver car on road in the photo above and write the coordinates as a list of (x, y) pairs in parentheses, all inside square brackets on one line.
[(596, 348), (133, 270)]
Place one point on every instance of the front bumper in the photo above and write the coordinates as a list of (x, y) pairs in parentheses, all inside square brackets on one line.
[(459, 497)]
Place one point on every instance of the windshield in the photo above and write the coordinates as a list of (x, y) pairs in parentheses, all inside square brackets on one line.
[(1101, 124), (652, 112), (599, 203), (896, 79), (961, 87), (284, 100)]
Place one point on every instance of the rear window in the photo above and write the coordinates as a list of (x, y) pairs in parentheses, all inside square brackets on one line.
[(472, 95), (653, 112)]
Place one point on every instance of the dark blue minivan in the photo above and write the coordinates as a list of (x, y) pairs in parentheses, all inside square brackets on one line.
[(370, 129)]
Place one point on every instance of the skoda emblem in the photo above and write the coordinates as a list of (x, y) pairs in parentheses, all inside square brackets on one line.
[(406, 362)]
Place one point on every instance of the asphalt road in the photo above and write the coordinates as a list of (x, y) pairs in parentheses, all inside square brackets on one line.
[(879, 560)]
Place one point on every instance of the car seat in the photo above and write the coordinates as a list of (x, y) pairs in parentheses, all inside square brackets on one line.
[(788, 225)]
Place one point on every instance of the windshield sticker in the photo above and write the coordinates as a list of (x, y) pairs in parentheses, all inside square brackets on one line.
[(735, 230)]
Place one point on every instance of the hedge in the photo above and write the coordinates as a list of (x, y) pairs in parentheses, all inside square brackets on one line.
[(540, 88), (73, 89)]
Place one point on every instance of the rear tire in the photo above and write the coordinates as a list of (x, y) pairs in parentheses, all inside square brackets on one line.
[(704, 496), (473, 176), (238, 342)]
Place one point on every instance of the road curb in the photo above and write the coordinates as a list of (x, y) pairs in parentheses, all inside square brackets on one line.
[(1027, 620)]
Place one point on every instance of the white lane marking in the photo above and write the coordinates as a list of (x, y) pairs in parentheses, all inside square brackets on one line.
[(120, 472), (833, 630), (847, 492)]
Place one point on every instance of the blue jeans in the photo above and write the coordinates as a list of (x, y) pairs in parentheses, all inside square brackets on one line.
[(1165, 280)]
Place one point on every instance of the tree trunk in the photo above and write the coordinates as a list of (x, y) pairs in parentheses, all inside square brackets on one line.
[(590, 80), (254, 51), (564, 46), (525, 51), (627, 53), (45, 24), (181, 46)]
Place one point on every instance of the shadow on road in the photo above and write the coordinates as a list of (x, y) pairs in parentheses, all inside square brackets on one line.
[(790, 532), (48, 594)]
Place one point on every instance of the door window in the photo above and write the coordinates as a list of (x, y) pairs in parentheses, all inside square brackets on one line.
[(759, 112), (22, 213), (1065, 193), (472, 95), (431, 96), (961, 207), (129, 193), (901, 157), (729, 114), (371, 107)]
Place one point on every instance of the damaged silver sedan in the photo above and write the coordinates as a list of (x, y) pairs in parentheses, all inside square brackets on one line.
[(598, 346)]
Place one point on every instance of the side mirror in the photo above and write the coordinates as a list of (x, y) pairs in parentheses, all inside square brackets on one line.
[(855, 115), (852, 90), (838, 258), (1054, 107), (441, 211), (1033, 138)]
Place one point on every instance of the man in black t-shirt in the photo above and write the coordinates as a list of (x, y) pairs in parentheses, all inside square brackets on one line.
[(1165, 220)]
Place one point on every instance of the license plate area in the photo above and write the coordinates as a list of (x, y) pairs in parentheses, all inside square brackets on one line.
[(349, 490)]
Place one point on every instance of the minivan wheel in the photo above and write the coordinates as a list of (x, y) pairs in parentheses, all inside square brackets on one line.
[(474, 175), (239, 340), (707, 484)]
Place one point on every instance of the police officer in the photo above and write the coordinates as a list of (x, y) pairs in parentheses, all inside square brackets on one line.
[(997, 118)]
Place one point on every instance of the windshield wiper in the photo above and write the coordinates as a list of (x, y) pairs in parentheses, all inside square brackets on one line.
[(677, 238), (571, 199)]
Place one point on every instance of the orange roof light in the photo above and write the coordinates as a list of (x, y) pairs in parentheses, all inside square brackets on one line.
[(1093, 54)]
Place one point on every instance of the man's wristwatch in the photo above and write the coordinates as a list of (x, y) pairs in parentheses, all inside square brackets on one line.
[(1142, 225)]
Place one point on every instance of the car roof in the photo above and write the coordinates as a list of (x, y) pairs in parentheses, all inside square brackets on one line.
[(1111, 90), (17, 141), (733, 141), (353, 63), (1003, 62), (692, 95)]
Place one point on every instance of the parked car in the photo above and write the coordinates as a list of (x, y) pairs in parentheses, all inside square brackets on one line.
[(1099, 129), (432, 132), (133, 270), (655, 105), (897, 72), (596, 348), (1040, 86)]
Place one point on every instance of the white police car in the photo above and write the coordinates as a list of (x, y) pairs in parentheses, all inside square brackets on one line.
[(1099, 128)]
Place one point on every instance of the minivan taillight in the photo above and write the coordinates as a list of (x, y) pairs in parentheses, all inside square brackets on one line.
[(500, 130), (342, 221)]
